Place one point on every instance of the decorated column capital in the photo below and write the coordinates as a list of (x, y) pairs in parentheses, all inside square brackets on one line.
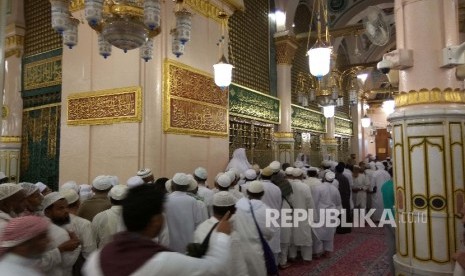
[(284, 145), (14, 41), (286, 46)]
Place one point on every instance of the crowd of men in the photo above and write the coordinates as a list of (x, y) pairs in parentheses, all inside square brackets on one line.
[(191, 224)]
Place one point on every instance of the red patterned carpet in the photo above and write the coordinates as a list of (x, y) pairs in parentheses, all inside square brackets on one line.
[(362, 252)]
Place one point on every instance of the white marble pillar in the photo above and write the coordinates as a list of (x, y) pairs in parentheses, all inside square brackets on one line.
[(329, 142), (428, 137), (286, 46)]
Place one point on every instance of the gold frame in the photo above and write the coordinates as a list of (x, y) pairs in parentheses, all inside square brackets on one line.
[(167, 109), (137, 117), (434, 96), (10, 139)]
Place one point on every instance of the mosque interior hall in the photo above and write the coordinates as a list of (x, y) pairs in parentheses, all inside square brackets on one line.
[(174, 85)]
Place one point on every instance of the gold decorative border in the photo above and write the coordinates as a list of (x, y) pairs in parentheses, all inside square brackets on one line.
[(14, 41), (167, 103), (34, 71), (76, 5), (135, 117), (434, 96), (283, 135), (10, 139)]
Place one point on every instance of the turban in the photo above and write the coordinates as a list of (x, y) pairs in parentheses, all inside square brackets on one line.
[(267, 171), (289, 170), (275, 166), (145, 173), (329, 176), (103, 182), (250, 174), (21, 229)]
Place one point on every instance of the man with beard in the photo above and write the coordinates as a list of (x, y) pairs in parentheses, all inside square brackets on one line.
[(64, 247), (12, 202), (22, 241)]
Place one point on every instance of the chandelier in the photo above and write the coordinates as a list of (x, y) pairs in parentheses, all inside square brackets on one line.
[(327, 91), (125, 24), (222, 70)]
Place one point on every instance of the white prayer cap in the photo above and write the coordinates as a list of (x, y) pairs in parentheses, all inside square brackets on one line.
[(118, 192), (2, 175), (275, 166), (41, 186), (250, 174), (181, 179), (333, 165), (231, 174), (168, 186), (314, 169), (329, 176), (217, 176), (143, 173), (237, 174), (289, 170), (326, 163), (102, 182), (297, 172), (69, 185), (29, 188), (267, 171), (379, 166), (299, 164), (114, 180), (50, 199), (193, 184), (223, 199), (85, 191), (255, 187), (135, 181), (9, 189), (70, 195), (224, 180), (372, 165), (201, 173)]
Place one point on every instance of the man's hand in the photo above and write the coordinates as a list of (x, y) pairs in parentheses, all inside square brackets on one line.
[(71, 244)]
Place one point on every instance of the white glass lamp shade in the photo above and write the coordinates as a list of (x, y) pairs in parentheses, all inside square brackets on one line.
[(93, 11), (70, 35), (177, 47), (152, 14), (60, 14), (104, 47), (146, 51), (223, 73), (319, 61), (353, 97), (328, 111), (183, 25), (388, 106), (366, 121)]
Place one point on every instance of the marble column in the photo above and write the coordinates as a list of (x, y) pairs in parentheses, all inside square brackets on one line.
[(428, 137), (11, 103), (286, 45)]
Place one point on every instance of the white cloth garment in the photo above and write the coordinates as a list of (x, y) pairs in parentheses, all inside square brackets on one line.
[(175, 264), (4, 219), (236, 265), (182, 216), (164, 236), (107, 223), (259, 209), (207, 196), (325, 196), (361, 184), (83, 229), (54, 263), (379, 178), (239, 161), (12, 264), (273, 199), (311, 181), (235, 192), (348, 174), (458, 270), (301, 198)]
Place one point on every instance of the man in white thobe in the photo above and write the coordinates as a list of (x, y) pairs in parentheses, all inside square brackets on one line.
[(64, 247), (134, 252), (109, 222), (301, 198), (182, 213), (360, 189), (380, 176), (273, 199), (222, 203), (326, 197), (201, 175)]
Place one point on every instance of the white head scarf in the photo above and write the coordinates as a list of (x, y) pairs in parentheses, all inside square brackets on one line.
[(239, 161)]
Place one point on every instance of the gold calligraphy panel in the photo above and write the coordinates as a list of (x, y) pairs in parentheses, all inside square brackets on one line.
[(106, 106), (43, 73), (343, 126), (193, 104)]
